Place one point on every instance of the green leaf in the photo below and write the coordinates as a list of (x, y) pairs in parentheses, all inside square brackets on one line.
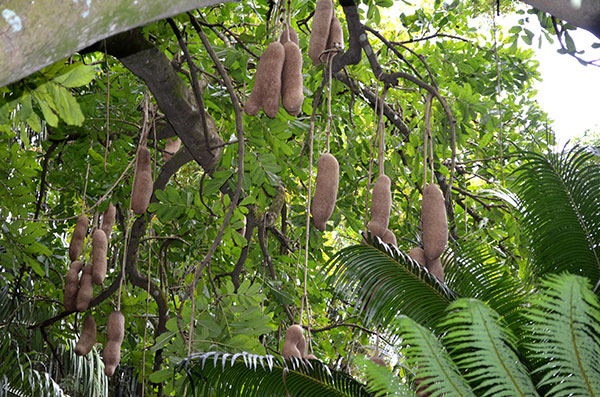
[(160, 376), (565, 336), (76, 75), (484, 349), (66, 106)]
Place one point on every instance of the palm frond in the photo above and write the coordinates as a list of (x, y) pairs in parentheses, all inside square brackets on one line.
[(250, 375), (386, 282), (484, 349), (474, 270), (85, 372), (18, 377), (429, 358), (560, 197), (565, 336), (382, 381)]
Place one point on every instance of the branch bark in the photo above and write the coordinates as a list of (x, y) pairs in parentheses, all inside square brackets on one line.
[(34, 34)]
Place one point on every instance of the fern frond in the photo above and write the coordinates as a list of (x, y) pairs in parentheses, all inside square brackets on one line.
[(565, 336), (430, 361), (251, 375), (386, 282), (484, 349), (474, 270), (382, 381), (560, 210)]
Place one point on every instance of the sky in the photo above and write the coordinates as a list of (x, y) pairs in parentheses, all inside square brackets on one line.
[(568, 91)]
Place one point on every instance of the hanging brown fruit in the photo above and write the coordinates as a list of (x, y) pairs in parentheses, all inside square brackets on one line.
[(86, 289), (320, 30), (434, 222), (418, 255), (171, 147), (267, 82), (336, 34), (323, 203), (142, 185), (283, 38), (72, 286), (99, 250), (292, 91), (389, 238), (435, 267), (294, 344), (87, 337), (381, 204), (108, 220), (79, 233), (377, 360), (115, 332)]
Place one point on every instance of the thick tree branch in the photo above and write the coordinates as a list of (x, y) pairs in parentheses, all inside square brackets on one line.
[(35, 34), (371, 98), (172, 95)]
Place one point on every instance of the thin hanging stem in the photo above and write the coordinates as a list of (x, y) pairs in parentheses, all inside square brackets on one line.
[(426, 138), (371, 160), (308, 198), (431, 155), (382, 132), (498, 99), (124, 262), (107, 107), (87, 175), (146, 317), (143, 141), (329, 116)]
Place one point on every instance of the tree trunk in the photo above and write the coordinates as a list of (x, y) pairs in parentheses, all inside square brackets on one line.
[(587, 16), (34, 34)]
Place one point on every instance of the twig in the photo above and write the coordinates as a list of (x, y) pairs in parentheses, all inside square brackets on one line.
[(195, 84), (238, 189), (42, 192)]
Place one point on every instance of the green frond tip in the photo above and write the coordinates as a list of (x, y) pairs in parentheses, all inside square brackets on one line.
[(430, 361), (559, 195), (382, 382), (565, 336), (386, 282), (484, 349), (252, 375)]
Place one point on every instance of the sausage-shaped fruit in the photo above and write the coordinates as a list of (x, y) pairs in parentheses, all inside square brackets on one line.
[(86, 289), (87, 337), (336, 34), (142, 184), (323, 203), (377, 360), (320, 30), (267, 82), (389, 238), (171, 147), (434, 222), (99, 249), (79, 233), (72, 286), (435, 267), (283, 38), (292, 91), (294, 344), (108, 220), (115, 332), (381, 204), (418, 255)]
